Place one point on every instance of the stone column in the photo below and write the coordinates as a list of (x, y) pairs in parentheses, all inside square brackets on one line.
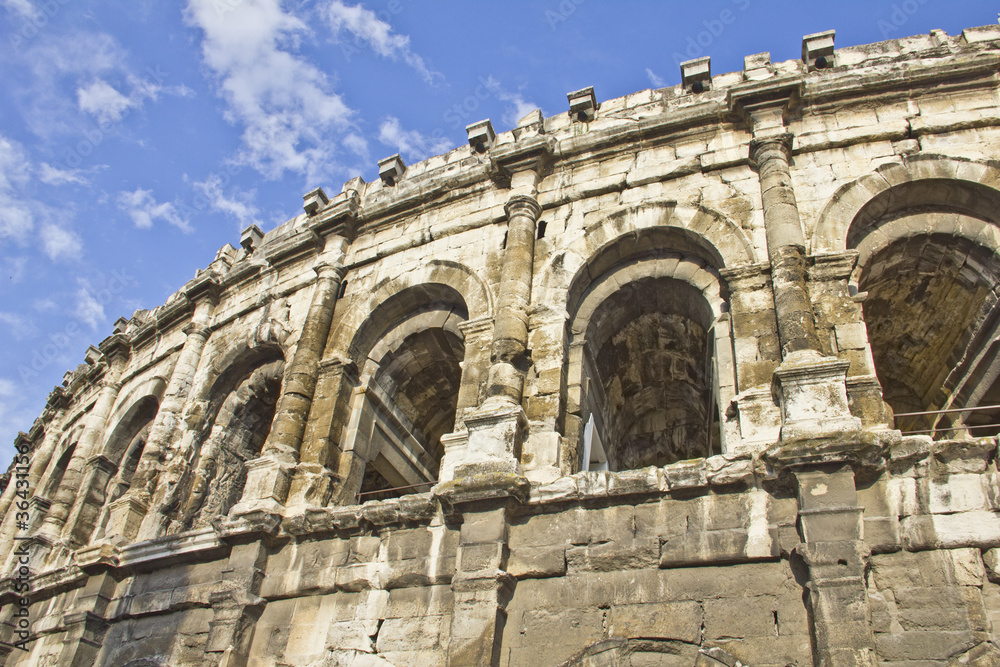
[(482, 586), (161, 432), (811, 389), (786, 246), (830, 521), (497, 428), (127, 513), (68, 496), (298, 388), (236, 606), (80, 525), (40, 459), (510, 329)]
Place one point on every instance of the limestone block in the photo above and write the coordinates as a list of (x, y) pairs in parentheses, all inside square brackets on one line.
[(611, 556), (417, 633), (681, 621), (537, 562)]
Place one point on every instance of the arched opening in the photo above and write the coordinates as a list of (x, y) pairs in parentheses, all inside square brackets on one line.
[(644, 352), (123, 450), (929, 266), (408, 393), (241, 409), (648, 376), (56, 476)]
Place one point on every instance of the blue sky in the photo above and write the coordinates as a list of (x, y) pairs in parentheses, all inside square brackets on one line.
[(139, 137)]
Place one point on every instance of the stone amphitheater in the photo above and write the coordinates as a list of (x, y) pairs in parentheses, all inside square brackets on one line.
[(704, 375)]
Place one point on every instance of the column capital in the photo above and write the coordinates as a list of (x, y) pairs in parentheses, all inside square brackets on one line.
[(195, 329), (523, 205), (325, 271), (762, 148)]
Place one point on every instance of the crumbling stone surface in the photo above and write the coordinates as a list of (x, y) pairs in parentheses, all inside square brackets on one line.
[(624, 386)]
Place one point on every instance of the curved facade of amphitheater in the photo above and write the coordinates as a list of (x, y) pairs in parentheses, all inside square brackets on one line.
[(630, 385)]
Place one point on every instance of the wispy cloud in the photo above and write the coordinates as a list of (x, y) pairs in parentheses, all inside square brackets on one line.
[(88, 309), (654, 80), (237, 204), (17, 219), (60, 243), (411, 143), (367, 28), (20, 327), (22, 8), (142, 207), (56, 176), (291, 116), (517, 105)]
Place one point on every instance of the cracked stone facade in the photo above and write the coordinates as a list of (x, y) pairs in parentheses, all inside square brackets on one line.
[(616, 387)]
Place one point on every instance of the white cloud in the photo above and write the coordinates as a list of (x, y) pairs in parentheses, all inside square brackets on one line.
[(238, 204), (101, 100), (17, 218), (20, 327), (22, 7), (517, 106), (88, 309), (366, 28), (410, 143), (286, 105), (55, 176), (143, 208), (654, 80), (60, 243)]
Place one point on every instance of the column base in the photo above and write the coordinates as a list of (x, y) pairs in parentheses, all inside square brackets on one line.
[(125, 517), (496, 432), (268, 483), (311, 486), (812, 392)]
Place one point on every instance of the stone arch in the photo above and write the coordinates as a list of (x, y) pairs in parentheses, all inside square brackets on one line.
[(697, 230), (49, 483), (932, 182), (153, 387), (646, 360), (122, 451), (927, 232), (410, 351), (238, 409), (476, 296)]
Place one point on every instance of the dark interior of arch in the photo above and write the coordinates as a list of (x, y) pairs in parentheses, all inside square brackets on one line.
[(930, 298), (420, 375), (236, 435), (423, 377), (649, 343)]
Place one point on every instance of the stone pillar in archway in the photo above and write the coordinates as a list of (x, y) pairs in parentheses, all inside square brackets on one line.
[(127, 513), (69, 496), (810, 388), (497, 428), (270, 478)]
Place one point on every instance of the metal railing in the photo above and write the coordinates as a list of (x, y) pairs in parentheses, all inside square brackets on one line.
[(358, 496), (962, 427)]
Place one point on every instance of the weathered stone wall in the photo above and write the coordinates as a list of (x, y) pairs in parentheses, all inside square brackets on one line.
[(736, 282)]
